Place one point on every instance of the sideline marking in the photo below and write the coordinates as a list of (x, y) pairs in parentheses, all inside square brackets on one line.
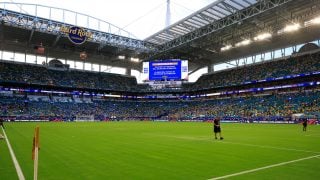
[(13, 156), (269, 147), (265, 167)]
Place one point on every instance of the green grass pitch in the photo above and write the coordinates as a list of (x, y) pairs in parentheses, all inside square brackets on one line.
[(162, 150)]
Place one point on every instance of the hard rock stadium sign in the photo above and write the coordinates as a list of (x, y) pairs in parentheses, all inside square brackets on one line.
[(76, 34)]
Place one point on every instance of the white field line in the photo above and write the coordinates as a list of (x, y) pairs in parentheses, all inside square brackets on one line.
[(269, 147), (243, 144), (13, 156), (265, 167), (253, 145)]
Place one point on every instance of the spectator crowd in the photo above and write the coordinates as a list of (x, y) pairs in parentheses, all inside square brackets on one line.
[(263, 71), (265, 106), (41, 75)]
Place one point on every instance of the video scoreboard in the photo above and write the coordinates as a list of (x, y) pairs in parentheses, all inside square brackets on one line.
[(165, 70)]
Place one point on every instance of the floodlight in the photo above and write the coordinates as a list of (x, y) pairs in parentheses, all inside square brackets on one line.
[(227, 47), (243, 43), (292, 27), (314, 21), (134, 59), (121, 57), (263, 36)]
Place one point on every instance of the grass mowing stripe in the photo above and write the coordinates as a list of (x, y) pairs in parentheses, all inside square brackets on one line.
[(265, 167), (14, 159), (270, 147), (151, 150), (243, 144)]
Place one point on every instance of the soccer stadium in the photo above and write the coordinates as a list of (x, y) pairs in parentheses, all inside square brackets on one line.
[(160, 89)]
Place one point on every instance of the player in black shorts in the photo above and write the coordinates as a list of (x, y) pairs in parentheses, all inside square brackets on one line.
[(217, 128), (304, 124)]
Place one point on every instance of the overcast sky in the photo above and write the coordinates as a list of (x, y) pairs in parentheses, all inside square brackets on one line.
[(140, 17)]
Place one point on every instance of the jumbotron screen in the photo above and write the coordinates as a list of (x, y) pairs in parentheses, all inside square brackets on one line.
[(171, 69)]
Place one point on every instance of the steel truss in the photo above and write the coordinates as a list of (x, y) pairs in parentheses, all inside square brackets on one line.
[(50, 26), (235, 17)]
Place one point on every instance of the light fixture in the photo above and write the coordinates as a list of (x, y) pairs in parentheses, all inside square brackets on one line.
[(291, 28), (243, 43), (121, 57), (262, 36), (227, 47), (314, 21), (134, 59)]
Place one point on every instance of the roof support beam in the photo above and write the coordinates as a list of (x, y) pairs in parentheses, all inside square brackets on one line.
[(196, 22), (1, 31), (219, 11), (177, 31), (214, 12), (201, 19), (239, 3), (31, 35), (251, 11), (180, 29), (207, 18), (244, 1), (192, 24), (187, 26), (56, 40), (231, 8), (215, 17), (32, 22)]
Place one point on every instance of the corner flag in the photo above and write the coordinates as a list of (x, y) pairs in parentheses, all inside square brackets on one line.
[(35, 150)]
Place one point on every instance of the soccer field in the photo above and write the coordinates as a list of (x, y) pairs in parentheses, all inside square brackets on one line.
[(163, 150)]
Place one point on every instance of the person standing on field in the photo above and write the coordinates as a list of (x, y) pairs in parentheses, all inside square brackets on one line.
[(217, 128), (304, 124)]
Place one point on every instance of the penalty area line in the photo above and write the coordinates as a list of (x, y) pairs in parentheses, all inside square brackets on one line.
[(265, 167), (13, 156)]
